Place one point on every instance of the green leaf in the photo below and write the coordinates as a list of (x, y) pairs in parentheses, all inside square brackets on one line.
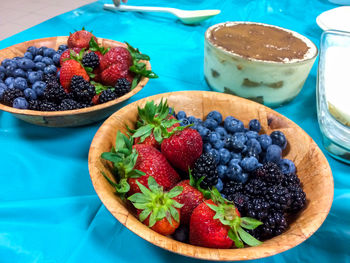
[(144, 214), (119, 142), (143, 130), (113, 157), (135, 81), (123, 187), (152, 184), (158, 134), (247, 238), (143, 188), (152, 219), (234, 236), (176, 204), (250, 223), (213, 207), (109, 180), (175, 191), (138, 198), (135, 174), (175, 214)]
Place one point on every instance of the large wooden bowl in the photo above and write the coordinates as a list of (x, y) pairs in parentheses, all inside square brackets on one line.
[(69, 118), (313, 170)]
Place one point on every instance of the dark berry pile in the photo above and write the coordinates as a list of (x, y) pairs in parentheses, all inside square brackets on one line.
[(250, 170)]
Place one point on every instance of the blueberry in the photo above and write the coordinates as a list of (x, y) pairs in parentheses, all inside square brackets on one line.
[(221, 131), (2, 90), (215, 154), (20, 103), (233, 125), (234, 162), (10, 70), (273, 153), (47, 61), (253, 143), (181, 115), (242, 178), (198, 121), (184, 122), (33, 50), (219, 185), (9, 80), (13, 63), (214, 137), (191, 119), (225, 156), (238, 141), (265, 141), (2, 75), (236, 156), (211, 124), (228, 142), (19, 73), (206, 147), (3, 85), (251, 152), (6, 62), (49, 52), (2, 69), (287, 166), (234, 171), (221, 169), (58, 74), (40, 66), (252, 134), (39, 87), (26, 63), (28, 55), (30, 94), (34, 76), (279, 139), (204, 132), (11, 86), (215, 115), (249, 164), (219, 144), (41, 51), (63, 47), (182, 233), (254, 125), (20, 83), (51, 69)]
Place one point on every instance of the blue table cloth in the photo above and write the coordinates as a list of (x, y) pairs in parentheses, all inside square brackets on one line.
[(49, 211)]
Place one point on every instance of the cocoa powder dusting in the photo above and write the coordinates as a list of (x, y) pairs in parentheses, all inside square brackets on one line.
[(259, 42)]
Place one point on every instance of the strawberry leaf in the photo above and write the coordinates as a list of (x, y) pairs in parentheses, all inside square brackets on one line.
[(234, 236), (250, 223), (247, 238), (143, 130), (175, 214), (175, 191), (144, 214), (153, 186), (152, 219)]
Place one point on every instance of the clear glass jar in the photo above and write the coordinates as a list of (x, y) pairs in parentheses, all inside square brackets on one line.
[(333, 93)]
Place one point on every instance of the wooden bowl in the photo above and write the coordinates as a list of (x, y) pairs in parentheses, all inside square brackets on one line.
[(313, 171), (71, 118)]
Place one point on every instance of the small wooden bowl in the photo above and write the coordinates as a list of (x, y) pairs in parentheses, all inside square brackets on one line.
[(313, 171), (71, 118)]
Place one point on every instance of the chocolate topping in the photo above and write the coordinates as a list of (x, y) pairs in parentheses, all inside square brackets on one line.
[(259, 42)]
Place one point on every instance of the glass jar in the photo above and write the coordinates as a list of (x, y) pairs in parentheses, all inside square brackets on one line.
[(333, 93)]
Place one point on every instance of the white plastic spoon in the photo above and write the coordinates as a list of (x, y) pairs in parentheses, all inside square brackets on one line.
[(187, 17)]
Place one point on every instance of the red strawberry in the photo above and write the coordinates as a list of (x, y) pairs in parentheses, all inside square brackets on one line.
[(223, 231), (66, 54), (110, 75), (152, 163), (156, 208), (117, 55), (155, 118), (183, 148), (95, 99), (190, 198), (80, 39), (69, 69), (139, 162)]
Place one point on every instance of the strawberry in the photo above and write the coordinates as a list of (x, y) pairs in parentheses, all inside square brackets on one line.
[(137, 163), (80, 39), (69, 69), (155, 120), (216, 223), (190, 198), (110, 75), (95, 99), (66, 55), (183, 148), (157, 208), (116, 55)]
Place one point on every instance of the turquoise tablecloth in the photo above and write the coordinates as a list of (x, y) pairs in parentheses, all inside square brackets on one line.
[(49, 211)]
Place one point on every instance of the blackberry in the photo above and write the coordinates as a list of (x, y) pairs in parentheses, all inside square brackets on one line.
[(68, 104), (122, 87), (258, 208), (34, 105), (231, 188), (270, 173), (54, 93), (279, 197), (48, 106), (50, 79), (10, 95), (91, 60), (291, 179), (255, 187), (241, 201), (298, 198), (205, 166), (107, 95), (82, 90)]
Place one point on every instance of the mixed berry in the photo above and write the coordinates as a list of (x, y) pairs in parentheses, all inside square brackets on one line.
[(77, 75), (211, 183)]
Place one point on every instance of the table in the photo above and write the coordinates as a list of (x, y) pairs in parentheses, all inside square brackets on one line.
[(49, 211)]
